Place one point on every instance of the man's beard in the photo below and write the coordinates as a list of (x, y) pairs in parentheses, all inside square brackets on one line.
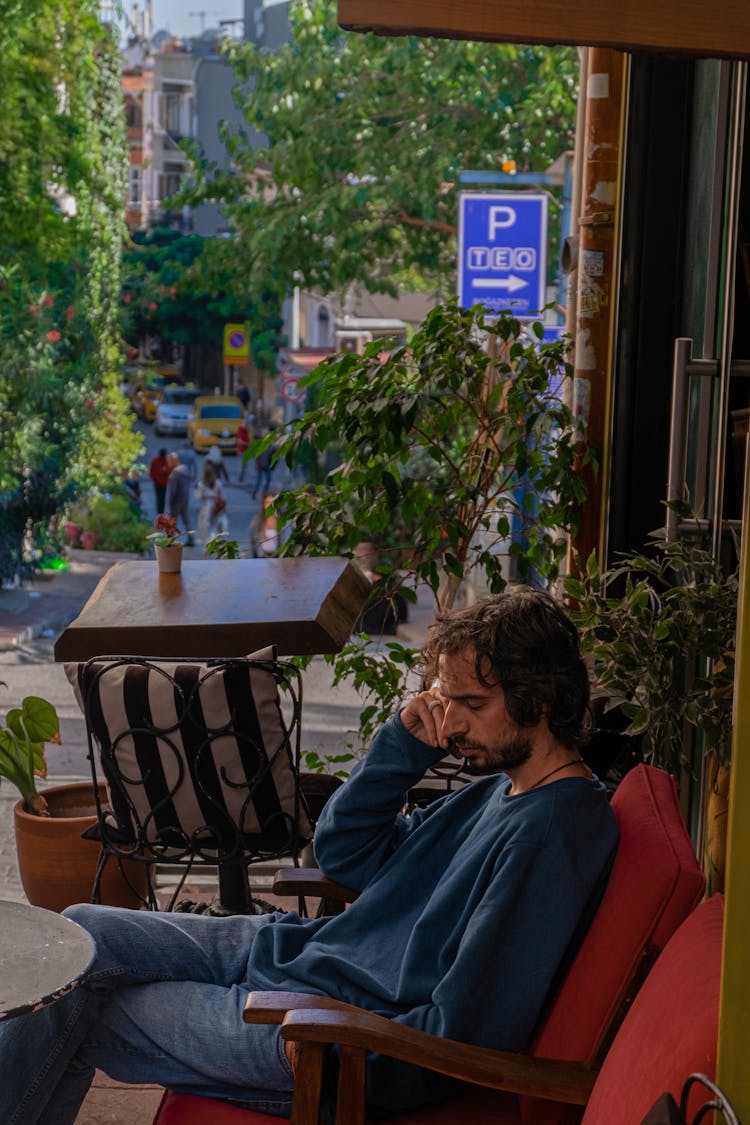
[(509, 755)]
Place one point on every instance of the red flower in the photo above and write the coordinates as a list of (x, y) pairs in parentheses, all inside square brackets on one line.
[(127, 298), (47, 300), (34, 310), (153, 306), (53, 336), (70, 312), (172, 292), (89, 402)]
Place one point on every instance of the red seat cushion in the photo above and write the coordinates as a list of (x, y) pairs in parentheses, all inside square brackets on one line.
[(654, 884), (672, 1028), (478, 1107)]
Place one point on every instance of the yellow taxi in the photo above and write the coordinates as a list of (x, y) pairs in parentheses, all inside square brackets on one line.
[(214, 420)]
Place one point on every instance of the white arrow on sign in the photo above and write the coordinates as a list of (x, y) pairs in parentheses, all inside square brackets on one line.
[(512, 283)]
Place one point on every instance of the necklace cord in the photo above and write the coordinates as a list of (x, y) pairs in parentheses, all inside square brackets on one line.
[(573, 762)]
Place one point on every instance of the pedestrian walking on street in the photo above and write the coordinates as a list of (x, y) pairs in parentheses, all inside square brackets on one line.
[(242, 438), (212, 519), (216, 458), (263, 468), (178, 494), (243, 394), (159, 473)]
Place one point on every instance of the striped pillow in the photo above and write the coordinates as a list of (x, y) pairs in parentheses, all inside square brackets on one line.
[(193, 751)]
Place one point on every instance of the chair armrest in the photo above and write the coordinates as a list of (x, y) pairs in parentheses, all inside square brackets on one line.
[(272, 1007), (310, 881), (556, 1079)]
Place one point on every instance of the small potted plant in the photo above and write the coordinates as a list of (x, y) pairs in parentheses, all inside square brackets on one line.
[(167, 539), (57, 862)]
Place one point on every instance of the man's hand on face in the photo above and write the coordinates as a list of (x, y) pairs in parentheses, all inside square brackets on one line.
[(423, 717)]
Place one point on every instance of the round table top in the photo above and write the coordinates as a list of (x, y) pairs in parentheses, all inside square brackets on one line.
[(42, 957)]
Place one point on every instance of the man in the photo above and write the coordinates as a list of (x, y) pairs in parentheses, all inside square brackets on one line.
[(216, 458), (466, 913), (242, 439), (178, 494), (159, 473)]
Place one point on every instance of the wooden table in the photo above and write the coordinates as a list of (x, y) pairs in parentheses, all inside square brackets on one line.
[(43, 956), (218, 607)]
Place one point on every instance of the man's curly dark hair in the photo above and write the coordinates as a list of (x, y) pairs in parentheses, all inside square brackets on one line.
[(524, 641)]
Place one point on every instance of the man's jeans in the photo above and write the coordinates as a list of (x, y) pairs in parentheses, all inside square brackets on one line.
[(163, 1005)]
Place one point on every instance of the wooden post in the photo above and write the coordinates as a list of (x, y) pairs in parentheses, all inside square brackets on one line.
[(597, 277)]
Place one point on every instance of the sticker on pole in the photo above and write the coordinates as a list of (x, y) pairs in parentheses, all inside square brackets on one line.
[(502, 252)]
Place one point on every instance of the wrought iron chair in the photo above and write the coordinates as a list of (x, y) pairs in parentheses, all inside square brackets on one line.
[(201, 763)]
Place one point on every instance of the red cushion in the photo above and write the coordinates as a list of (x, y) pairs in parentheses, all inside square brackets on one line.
[(187, 1109), (654, 884), (672, 1028), (477, 1107)]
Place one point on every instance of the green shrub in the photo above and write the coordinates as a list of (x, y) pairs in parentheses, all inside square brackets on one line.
[(110, 516)]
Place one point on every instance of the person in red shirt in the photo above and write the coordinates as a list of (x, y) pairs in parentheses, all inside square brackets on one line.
[(242, 439), (159, 473)]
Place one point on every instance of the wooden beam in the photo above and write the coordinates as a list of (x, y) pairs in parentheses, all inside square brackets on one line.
[(674, 26)]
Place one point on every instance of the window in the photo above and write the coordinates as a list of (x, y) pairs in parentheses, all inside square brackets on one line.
[(135, 187), (170, 179), (171, 118)]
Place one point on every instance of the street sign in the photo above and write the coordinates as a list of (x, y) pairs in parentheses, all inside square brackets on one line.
[(236, 344), (291, 391), (502, 252)]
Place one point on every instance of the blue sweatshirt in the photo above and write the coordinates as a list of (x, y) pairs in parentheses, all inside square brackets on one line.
[(466, 911)]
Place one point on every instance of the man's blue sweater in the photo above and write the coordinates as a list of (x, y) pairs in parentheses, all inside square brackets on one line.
[(466, 908)]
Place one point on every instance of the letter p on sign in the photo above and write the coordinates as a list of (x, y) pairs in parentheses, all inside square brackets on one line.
[(500, 218)]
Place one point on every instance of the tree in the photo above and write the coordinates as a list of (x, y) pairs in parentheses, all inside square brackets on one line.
[(62, 178), (182, 289), (362, 142)]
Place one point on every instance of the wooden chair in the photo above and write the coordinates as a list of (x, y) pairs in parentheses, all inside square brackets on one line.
[(654, 884), (201, 764)]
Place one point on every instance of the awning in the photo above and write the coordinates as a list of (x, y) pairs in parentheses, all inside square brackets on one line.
[(672, 26)]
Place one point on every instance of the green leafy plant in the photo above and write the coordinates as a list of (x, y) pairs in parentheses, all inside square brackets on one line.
[(459, 461), (22, 758), (111, 518), (660, 629)]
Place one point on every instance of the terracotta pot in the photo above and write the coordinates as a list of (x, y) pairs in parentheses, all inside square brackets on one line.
[(169, 558), (57, 867)]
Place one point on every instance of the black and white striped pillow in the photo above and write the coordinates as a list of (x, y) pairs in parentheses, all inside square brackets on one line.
[(190, 751)]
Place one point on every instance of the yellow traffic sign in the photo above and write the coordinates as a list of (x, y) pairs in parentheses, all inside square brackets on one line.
[(236, 344)]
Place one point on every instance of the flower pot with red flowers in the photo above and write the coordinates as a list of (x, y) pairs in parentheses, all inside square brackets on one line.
[(167, 539)]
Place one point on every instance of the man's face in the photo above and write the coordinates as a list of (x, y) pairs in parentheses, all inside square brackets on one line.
[(475, 718)]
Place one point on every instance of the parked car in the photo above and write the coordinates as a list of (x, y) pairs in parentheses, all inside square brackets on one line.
[(173, 410), (214, 420)]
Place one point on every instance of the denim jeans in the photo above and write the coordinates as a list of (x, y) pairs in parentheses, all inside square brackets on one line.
[(163, 1005)]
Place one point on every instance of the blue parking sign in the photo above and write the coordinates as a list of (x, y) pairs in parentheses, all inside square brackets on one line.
[(502, 252)]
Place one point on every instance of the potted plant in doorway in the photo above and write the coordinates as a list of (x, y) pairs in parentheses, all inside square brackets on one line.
[(57, 864), (659, 628)]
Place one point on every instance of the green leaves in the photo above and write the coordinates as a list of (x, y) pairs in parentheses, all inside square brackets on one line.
[(660, 628), (22, 743), (401, 118)]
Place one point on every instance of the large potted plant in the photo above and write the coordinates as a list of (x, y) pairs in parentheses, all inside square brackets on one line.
[(659, 627), (456, 455), (56, 862)]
